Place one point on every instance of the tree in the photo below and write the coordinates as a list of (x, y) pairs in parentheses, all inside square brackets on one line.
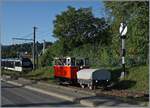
[(76, 27), (47, 58), (136, 14)]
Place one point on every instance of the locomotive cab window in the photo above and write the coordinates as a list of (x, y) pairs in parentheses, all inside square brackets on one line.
[(79, 62), (60, 62), (86, 62), (56, 62), (72, 61)]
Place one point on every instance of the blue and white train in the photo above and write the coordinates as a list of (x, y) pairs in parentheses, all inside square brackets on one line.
[(22, 64)]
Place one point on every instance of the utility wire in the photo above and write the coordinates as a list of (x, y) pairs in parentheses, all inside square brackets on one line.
[(30, 34), (43, 32), (22, 38)]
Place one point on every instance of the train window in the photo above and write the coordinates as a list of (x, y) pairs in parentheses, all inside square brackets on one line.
[(10, 64), (26, 62), (79, 62), (72, 61), (86, 61), (57, 62), (2, 63), (64, 61), (6, 63), (17, 64), (61, 62)]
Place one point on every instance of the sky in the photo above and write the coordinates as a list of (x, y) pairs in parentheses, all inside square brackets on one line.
[(19, 17)]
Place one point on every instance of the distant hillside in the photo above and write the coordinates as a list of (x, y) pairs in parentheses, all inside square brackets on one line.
[(12, 51)]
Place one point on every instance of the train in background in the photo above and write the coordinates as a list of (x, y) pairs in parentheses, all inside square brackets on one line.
[(77, 71), (19, 64)]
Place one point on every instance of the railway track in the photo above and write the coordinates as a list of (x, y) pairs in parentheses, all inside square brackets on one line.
[(144, 96), (77, 88)]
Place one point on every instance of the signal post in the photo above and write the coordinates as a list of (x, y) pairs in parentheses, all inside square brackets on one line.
[(123, 31)]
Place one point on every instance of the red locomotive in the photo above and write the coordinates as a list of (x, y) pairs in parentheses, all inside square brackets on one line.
[(66, 68), (77, 71)]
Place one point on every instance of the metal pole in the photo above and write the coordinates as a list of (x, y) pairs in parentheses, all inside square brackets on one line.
[(34, 30), (37, 54), (123, 31)]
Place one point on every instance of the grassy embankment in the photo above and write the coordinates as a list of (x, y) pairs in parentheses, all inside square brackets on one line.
[(137, 78), (43, 74)]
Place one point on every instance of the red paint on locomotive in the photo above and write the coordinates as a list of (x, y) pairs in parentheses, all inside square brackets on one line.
[(68, 72)]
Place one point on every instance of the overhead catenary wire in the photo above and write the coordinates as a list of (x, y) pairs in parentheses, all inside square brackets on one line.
[(29, 34), (43, 32)]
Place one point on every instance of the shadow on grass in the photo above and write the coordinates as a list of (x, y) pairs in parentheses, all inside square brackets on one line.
[(115, 75), (124, 84), (120, 84)]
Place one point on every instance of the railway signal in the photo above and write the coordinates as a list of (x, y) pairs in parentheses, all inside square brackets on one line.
[(123, 31)]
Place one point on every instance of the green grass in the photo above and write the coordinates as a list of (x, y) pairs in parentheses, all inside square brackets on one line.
[(10, 73), (43, 73), (139, 74), (137, 78)]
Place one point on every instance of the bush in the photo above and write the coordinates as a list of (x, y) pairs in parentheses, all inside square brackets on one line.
[(56, 50), (98, 56), (47, 58)]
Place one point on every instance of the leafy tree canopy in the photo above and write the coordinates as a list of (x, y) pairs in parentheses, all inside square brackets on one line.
[(136, 14), (79, 26)]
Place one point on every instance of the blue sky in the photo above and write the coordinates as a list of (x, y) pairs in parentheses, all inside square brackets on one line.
[(18, 18)]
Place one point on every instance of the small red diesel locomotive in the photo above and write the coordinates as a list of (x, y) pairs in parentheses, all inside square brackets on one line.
[(66, 68)]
